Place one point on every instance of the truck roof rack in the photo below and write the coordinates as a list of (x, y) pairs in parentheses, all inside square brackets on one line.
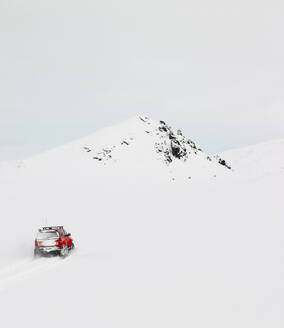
[(51, 228)]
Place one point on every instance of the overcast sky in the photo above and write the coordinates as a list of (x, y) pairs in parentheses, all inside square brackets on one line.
[(68, 68)]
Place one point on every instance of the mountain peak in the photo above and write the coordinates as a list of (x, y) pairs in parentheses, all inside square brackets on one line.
[(137, 143), (143, 142)]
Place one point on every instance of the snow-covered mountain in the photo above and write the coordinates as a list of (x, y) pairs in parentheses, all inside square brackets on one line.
[(138, 143), (153, 247)]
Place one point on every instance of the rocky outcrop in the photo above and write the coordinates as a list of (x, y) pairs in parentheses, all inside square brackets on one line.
[(173, 145), (222, 162), (169, 145)]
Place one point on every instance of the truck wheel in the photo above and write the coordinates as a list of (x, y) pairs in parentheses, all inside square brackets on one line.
[(64, 252), (36, 253)]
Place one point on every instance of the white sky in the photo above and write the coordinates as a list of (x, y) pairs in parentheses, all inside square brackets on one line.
[(67, 68)]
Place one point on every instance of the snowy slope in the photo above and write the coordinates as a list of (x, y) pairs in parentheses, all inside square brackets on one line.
[(138, 143), (151, 251), (258, 160)]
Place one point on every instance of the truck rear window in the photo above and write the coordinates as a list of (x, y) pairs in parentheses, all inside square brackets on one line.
[(44, 235)]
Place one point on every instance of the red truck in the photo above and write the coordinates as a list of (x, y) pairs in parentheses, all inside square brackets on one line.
[(53, 240)]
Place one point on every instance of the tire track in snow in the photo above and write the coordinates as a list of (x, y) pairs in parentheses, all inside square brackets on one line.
[(24, 269)]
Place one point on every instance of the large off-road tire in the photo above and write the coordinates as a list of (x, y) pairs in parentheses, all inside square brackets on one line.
[(36, 253), (64, 251), (71, 247)]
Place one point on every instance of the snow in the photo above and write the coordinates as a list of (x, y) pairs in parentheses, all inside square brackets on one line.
[(153, 247), (258, 160)]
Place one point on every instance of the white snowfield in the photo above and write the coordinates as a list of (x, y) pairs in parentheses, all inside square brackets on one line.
[(258, 160), (179, 242)]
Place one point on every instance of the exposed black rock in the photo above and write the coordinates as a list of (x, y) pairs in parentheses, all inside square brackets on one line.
[(222, 162), (163, 129), (87, 149), (177, 149), (179, 132)]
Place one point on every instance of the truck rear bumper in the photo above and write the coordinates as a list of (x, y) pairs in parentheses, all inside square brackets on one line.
[(47, 250)]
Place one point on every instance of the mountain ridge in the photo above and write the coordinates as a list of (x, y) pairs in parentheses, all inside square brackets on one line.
[(137, 143)]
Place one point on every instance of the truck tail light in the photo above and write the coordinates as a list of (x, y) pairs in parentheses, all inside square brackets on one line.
[(36, 244)]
